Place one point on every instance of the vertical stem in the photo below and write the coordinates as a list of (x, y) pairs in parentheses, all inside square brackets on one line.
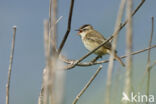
[(128, 79), (50, 25), (10, 66), (43, 98), (52, 62), (44, 93), (112, 53), (149, 60), (54, 37)]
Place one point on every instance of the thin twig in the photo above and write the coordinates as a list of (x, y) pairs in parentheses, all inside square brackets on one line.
[(87, 85), (70, 62), (68, 27), (121, 26), (149, 60), (58, 19), (10, 66), (154, 64), (111, 58), (128, 77)]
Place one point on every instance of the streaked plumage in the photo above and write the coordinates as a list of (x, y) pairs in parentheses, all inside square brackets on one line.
[(92, 39)]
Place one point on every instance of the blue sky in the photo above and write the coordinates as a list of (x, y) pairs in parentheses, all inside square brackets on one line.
[(29, 60)]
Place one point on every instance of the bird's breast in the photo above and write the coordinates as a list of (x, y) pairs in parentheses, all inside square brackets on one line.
[(92, 45)]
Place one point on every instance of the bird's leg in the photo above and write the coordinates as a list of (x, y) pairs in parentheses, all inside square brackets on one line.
[(96, 58)]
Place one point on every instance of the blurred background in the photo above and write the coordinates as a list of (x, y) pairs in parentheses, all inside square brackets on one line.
[(29, 60)]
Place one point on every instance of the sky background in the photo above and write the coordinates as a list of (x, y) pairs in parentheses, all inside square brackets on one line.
[(29, 60)]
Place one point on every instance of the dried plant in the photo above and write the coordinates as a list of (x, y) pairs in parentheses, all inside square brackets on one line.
[(10, 66), (128, 77), (148, 69), (111, 59), (52, 88)]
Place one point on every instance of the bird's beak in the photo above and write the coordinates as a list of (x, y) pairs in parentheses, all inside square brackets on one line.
[(77, 29)]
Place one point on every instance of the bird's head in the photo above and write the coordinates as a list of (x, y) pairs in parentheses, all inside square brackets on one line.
[(84, 29)]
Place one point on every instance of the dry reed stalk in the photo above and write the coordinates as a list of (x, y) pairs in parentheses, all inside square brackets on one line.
[(128, 78), (51, 73), (10, 66), (148, 66), (52, 66), (47, 54), (44, 93), (149, 60), (111, 58), (54, 27)]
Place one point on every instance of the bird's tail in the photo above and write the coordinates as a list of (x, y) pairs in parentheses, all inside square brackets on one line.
[(119, 59)]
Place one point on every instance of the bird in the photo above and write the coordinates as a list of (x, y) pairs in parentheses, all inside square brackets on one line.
[(91, 39)]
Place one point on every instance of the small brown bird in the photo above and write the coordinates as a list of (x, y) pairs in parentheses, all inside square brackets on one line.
[(92, 39)]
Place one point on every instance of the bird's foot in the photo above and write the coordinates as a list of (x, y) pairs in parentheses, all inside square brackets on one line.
[(95, 59)]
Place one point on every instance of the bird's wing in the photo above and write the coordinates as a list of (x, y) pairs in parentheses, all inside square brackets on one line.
[(98, 38)]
